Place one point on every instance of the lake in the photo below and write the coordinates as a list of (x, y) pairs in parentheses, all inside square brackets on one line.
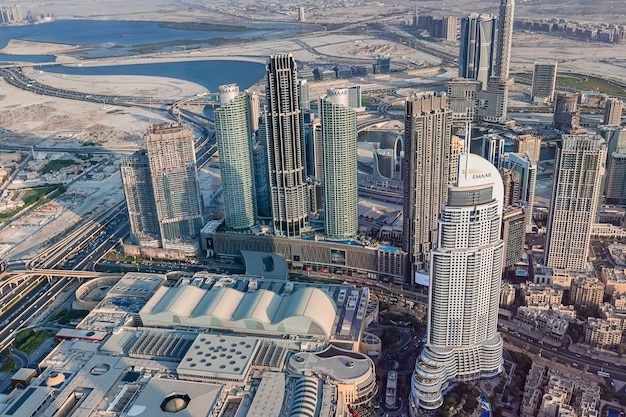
[(123, 38)]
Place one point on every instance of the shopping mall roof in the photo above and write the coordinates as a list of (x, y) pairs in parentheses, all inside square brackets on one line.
[(305, 311)]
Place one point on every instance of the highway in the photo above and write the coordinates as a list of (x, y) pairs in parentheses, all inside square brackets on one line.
[(561, 355), (24, 296)]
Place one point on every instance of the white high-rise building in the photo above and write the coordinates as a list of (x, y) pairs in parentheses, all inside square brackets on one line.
[(578, 172), (463, 343), (339, 163), (232, 131)]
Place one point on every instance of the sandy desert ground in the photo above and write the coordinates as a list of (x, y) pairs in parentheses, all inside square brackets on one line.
[(32, 117)]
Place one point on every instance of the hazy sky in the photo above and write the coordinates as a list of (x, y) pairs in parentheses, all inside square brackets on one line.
[(612, 11)]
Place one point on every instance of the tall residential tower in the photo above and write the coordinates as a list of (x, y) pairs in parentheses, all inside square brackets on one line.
[(175, 183), (578, 171), (427, 138), (232, 132), (463, 343), (339, 163), (505, 39), (144, 224), (544, 82), (290, 209)]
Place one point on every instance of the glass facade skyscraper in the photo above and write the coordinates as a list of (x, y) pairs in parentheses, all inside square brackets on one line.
[(477, 47), (232, 132), (144, 224), (339, 163)]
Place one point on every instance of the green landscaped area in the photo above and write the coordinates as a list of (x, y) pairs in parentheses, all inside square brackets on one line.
[(36, 195), (57, 164), (584, 82), (29, 340), (65, 317), (9, 366)]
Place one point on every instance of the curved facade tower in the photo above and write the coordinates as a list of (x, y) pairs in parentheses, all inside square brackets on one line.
[(235, 155), (462, 342), (290, 209), (339, 163), (477, 47)]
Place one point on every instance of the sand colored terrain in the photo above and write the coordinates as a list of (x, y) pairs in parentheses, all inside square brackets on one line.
[(28, 119)]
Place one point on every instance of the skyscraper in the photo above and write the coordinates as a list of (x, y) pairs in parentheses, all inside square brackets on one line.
[(493, 100), (615, 137), (477, 47), (290, 210), (615, 189), (613, 112), (492, 148), (528, 143), (232, 131), (175, 183), (513, 234), (462, 100), (505, 39), (544, 82), (254, 111), (566, 113), (578, 172), (427, 138), (526, 167), (144, 224), (261, 172), (339, 163), (465, 277), (492, 103)]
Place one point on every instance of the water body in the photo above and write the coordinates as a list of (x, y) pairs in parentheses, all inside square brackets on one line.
[(123, 38), (209, 74), (118, 38)]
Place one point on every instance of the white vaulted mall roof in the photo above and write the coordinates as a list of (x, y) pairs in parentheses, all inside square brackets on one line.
[(306, 311)]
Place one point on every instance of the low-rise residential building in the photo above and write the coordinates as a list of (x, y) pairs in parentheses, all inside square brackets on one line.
[(507, 294), (557, 277), (556, 394), (535, 294), (603, 333), (614, 280), (548, 322), (586, 292)]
